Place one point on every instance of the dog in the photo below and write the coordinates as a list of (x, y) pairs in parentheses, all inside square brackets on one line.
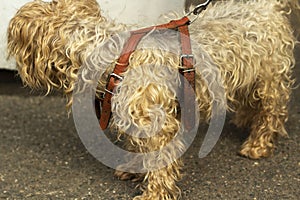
[(250, 43)]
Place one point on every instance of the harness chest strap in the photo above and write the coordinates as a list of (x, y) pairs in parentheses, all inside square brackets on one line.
[(116, 76)]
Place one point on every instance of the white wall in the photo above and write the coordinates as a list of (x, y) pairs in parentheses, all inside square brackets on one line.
[(141, 12), (7, 10)]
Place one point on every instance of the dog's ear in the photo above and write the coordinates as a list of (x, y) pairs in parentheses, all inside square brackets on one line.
[(26, 43)]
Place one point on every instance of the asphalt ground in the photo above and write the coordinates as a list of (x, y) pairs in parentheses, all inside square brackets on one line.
[(42, 157)]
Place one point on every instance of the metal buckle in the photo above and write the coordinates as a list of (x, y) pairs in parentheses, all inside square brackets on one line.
[(187, 70), (102, 94), (185, 56), (116, 76)]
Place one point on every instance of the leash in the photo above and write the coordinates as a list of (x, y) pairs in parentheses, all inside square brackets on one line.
[(186, 59)]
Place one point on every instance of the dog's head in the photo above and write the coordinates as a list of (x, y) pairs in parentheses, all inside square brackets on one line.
[(39, 36)]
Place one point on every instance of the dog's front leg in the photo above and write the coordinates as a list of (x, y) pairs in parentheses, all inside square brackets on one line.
[(156, 108), (154, 124)]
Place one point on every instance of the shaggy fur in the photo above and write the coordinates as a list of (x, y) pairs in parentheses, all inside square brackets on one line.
[(249, 42)]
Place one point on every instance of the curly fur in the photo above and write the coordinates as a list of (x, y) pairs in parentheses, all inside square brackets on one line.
[(248, 47), (262, 95), (49, 42)]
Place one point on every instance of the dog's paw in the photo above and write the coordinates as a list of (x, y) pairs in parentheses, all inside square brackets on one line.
[(255, 152), (125, 176), (143, 197), (138, 198)]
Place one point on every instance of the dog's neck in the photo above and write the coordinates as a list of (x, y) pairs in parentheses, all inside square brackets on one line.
[(139, 12)]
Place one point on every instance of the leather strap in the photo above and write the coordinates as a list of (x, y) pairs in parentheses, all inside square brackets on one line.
[(188, 72), (187, 61), (114, 79)]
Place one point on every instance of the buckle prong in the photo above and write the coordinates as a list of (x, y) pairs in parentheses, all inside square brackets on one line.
[(110, 92), (188, 70), (186, 56)]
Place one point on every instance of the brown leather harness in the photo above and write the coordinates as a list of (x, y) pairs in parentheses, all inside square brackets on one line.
[(186, 59)]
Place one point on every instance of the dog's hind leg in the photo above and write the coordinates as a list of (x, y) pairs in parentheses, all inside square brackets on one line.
[(272, 94), (243, 116)]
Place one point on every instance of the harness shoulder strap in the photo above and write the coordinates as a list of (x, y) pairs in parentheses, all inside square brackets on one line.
[(188, 72)]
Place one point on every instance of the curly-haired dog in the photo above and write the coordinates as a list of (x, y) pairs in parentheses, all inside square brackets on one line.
[(250, 42)]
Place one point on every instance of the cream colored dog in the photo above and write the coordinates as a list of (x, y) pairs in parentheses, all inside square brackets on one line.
[(251, 43)]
